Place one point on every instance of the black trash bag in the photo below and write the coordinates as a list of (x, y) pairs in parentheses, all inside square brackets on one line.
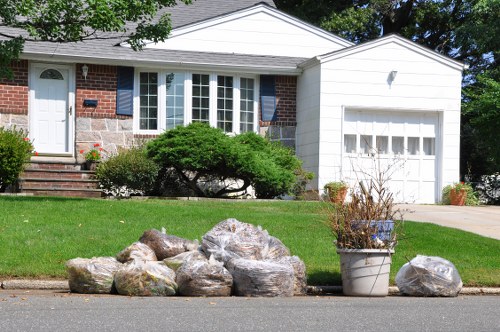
[(92, 276), (175, 262), (429, 276), (261, 278), (299, 274), (165, 245), (234, 239), (142, 278), (136, 250), (204, 278)]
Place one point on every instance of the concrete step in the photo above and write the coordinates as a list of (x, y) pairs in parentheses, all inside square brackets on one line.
[(87, 193), (57, 174), (54, 165), (40, 183)]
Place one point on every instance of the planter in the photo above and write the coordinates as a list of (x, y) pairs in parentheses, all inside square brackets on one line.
[(91, 165), (365, 272), (458, 197), (338, 196)]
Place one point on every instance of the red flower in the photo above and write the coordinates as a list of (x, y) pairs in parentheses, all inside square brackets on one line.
[(81, 151), (96, 145), (26, 139), (36, 153), (101, 149)]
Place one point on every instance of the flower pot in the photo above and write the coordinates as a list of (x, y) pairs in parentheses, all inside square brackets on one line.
[(458, 197), (91, 165), (365, 272), (338, 197)]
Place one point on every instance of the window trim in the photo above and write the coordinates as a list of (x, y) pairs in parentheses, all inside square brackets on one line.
[(188, 85)]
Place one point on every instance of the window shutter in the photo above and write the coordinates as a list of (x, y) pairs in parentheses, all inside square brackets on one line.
[(125, 91), (268, 97)]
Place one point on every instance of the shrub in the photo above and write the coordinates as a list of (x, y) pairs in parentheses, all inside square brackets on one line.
[(489, 189), (214, 164), (471, 198), (15, 151), (128, 172)]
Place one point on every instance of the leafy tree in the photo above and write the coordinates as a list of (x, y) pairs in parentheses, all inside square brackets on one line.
[(78, 20), (209, 161)]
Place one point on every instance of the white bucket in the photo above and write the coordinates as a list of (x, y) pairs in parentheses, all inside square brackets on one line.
[(365, 272)]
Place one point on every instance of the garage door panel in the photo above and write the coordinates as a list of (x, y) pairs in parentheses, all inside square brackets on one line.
[(428, 170)]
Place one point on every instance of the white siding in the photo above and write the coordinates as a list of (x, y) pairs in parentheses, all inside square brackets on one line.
[(260, 33), (360, 80), (308, 120)]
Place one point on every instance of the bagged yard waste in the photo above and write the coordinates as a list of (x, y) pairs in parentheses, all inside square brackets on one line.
[(175, 262), (299, 274), (145, 279), (165, 245), (429, 276), (204, 278), (92, 276), (276, 249), (234, 239), (136, 250), (261, 278)]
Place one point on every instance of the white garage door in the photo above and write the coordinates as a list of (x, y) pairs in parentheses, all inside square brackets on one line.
[(401, 144)]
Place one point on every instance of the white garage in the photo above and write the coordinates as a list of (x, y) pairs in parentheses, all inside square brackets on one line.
[(389, 98), (403, 145)]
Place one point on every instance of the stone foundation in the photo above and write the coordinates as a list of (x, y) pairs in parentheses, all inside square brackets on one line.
[(20, 121)]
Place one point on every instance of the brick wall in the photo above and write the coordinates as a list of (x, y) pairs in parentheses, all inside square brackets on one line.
[(99, 85), (14, 93)]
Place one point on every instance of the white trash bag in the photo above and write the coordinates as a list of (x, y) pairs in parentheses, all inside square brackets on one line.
[(429, 276)]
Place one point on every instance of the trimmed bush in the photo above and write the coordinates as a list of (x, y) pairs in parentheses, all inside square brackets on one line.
[(15, 151), (127, 173)]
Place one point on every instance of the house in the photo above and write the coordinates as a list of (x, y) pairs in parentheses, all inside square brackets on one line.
[(243, 65)]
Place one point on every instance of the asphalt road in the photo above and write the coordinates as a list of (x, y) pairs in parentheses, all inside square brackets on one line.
[(49, 311)]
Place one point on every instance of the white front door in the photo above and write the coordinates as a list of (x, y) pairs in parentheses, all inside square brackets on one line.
[(51, 109)]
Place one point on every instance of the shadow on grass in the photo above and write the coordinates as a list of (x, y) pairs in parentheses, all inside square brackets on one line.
[(324, 278)]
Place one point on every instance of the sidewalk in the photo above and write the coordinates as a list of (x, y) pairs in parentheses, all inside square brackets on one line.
[(482, 220)]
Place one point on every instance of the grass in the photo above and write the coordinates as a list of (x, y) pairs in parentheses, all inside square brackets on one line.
[(38, 235)]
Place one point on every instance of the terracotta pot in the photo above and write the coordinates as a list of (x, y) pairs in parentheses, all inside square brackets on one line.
[(339, 196), (458, 197)]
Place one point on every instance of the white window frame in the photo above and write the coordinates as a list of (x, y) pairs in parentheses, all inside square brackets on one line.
[(188, 85)]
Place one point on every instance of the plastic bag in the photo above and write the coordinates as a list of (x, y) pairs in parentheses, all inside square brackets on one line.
[(136, 250), (234, 239), (299, 274), (429, 276), (175, 262), (92, 276), (276, 249), (165, 245), (261, 278), (204, 278), (145, 279)]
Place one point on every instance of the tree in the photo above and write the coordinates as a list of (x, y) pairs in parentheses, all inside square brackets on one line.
[(214, 164), (62, 21)]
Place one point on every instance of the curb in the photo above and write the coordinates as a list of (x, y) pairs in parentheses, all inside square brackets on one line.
[(62, 285)]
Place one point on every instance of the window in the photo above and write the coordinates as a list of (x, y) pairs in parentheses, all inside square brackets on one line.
[(350, 143), (148, 118), (201, 98), (382, 143), (398, 145), (429, 146), (175, 100), (365, 143), (225, 103), (51, 74), (246, 104), (413, 146)]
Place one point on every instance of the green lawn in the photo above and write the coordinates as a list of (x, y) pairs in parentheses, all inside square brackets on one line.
[(37, 235)]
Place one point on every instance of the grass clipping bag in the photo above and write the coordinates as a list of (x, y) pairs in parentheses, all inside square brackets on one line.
[(92, 276), (165, 245), (145, 279), (136, 250), (261, 278), (204, 278), (175, 262)]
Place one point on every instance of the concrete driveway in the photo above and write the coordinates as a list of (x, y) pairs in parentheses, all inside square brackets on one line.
[(482, 220)]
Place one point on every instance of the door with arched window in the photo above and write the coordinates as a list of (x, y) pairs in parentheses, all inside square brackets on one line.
[(51, 110)]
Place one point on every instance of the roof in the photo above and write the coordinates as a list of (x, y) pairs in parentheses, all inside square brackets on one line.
[(391, 38)]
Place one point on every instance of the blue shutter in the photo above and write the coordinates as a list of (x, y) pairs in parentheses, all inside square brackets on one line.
[(268, 97), (125, 91)]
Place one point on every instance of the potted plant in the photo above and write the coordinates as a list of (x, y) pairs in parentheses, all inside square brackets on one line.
[(365, 234), (336, 191), (459, 194), (92, 157)]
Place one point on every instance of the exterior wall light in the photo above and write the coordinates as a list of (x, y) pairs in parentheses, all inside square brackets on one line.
[(85, 71), (392, 76)]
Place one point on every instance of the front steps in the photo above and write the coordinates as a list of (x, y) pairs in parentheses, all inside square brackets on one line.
[(53, 178)]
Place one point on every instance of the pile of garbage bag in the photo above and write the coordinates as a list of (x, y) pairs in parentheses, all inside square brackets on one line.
[(429, 276), (234, 258)]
